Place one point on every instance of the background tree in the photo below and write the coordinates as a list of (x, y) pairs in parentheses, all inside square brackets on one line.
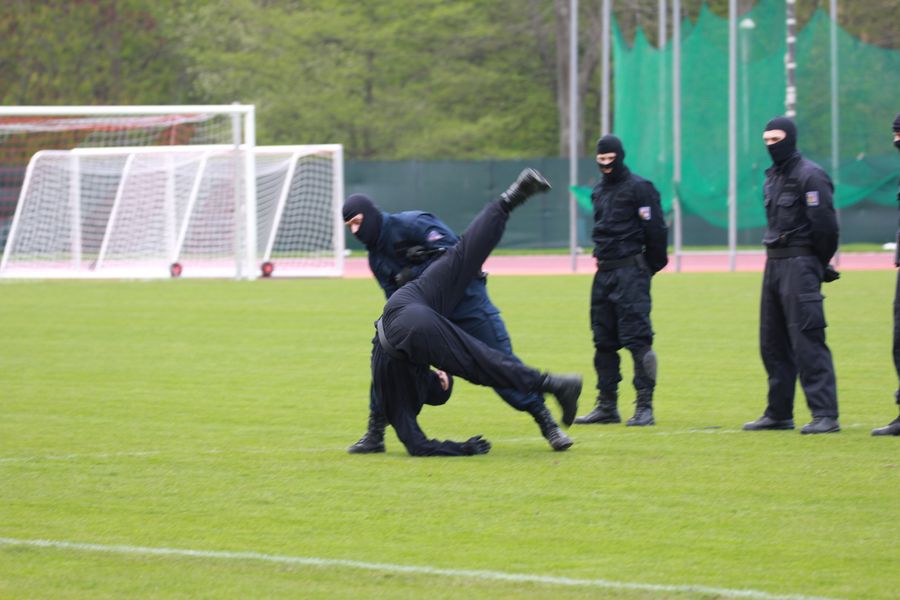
[(390, 79)]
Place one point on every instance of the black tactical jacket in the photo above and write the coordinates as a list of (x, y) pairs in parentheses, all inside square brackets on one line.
[(799, 208), (628, 220)]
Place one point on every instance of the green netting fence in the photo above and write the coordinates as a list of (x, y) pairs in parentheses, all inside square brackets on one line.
[(869, 82)]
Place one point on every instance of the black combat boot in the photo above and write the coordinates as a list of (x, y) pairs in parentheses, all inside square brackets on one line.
[(558, 440), (372, 442), (529, 183), (892, 428), (643, 411), (821, 425), (606, 410), (566, 388)]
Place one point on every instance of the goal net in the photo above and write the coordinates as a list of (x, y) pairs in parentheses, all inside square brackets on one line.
[(300, 226), (145, 192)]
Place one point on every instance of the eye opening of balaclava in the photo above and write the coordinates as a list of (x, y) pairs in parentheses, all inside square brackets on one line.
[(370, 229), (897, 130), (786, 148), (610, 143)]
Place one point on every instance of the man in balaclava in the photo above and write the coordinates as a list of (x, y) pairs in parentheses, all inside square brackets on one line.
[(630, 239), (363, 218), (893, 428), (801, 237), (415, 333), (401, 246)]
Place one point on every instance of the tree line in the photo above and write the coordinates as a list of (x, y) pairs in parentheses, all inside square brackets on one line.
[(389, 79)]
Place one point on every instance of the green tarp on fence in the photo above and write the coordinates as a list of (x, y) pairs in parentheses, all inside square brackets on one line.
[(869, 80)]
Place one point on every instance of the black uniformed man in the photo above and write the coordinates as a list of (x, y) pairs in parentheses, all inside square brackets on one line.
[(414, 332), (630, 238), (401, 247), (801, 237), (893, 428)]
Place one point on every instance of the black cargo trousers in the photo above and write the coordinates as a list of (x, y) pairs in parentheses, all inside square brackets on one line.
[(418, 333), (897, 333), (620, 318), (792, 337)]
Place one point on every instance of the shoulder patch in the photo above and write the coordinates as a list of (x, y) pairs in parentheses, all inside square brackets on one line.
[(434, 235), (644, 212), (812, 198)]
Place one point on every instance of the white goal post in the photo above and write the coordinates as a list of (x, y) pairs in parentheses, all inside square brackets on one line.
[(91, 205)]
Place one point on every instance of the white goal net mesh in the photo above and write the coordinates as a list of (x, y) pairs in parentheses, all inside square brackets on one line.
[(104, 209)]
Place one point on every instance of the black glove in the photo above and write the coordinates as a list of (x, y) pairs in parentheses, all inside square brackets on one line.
[(830, 274), (476, 445), (419, 254), (404, 276)]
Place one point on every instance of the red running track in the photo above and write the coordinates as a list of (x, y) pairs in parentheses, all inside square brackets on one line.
[(556, 264)]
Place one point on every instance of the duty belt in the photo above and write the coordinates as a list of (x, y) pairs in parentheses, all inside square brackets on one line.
[(610, 265), (385, 344), (789, 252)]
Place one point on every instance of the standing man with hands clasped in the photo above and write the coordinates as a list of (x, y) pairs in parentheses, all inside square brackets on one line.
[(630, 238), (801, 237)]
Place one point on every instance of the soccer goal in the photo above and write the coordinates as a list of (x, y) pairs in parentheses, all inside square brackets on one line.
[(146, 192)]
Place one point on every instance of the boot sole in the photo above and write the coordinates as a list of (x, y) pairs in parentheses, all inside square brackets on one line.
[(835, 430), (563, 447), (376, 450), (598, 422)]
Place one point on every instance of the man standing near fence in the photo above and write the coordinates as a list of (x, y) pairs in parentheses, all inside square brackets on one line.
[(630, 238), (801, 237), (401, 247), (893, 428)]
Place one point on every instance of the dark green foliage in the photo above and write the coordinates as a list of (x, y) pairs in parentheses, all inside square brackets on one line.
[(389, 79)]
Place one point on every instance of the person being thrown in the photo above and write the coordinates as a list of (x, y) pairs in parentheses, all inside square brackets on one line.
[(414, 334)]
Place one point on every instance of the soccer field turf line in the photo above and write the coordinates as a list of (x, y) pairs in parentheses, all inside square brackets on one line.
[(546, 580)]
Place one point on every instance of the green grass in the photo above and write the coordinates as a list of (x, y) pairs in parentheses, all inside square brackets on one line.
[(214, 415)]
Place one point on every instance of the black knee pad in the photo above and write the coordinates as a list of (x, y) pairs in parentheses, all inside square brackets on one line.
[(646, 364)]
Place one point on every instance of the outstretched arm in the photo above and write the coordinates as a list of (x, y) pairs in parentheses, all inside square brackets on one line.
[(418, 444), (402, 418)]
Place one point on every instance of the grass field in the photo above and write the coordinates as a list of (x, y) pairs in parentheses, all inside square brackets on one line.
[(186, 439)]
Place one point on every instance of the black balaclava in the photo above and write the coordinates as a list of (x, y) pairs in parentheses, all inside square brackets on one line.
[(786, 148), (435, 395), (610, 143), (897, 129), (370, 229)]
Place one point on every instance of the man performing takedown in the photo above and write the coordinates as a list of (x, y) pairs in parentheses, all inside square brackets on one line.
[(401, 246), (414, 333)]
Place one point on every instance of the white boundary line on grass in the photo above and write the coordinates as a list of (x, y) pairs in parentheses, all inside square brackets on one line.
[(143, 454), (78, 456), (407, 569)]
